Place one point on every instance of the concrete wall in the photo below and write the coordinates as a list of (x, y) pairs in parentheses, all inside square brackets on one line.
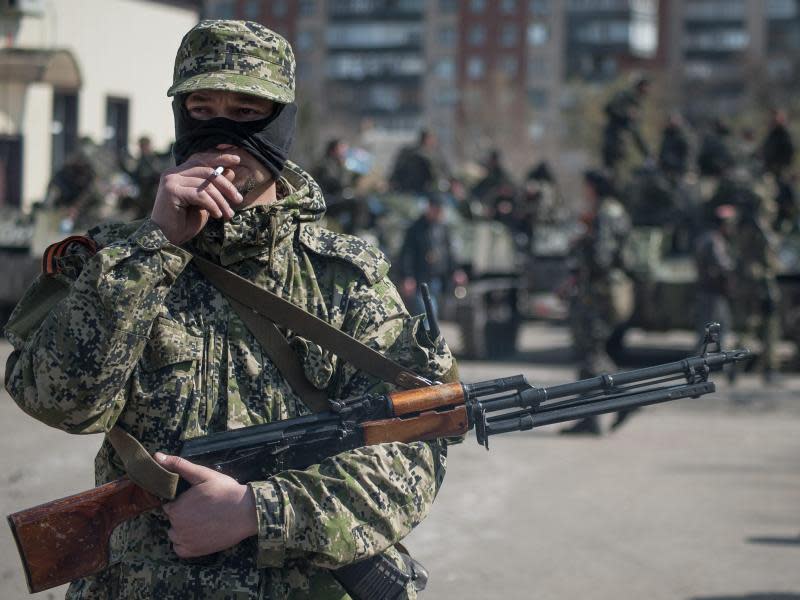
[(125, 49)]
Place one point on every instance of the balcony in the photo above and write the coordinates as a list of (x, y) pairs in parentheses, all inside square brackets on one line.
[(349, 10)]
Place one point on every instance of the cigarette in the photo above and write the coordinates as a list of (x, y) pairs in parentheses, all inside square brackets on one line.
[(218, 170)]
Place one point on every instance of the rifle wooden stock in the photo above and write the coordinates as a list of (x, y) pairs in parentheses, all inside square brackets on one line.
[(420, 400), (427, 426), (68, 538)]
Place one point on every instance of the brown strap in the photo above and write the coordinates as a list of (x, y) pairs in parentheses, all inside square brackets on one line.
[(276, 309), (142, 468), (280, 352)]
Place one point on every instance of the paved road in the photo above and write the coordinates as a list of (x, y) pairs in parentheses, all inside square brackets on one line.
[(697, 500)]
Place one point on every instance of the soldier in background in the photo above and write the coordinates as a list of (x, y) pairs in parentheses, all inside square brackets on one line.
[(540, 203), (419, 169), (602, 296), (777, 154), (777, 150), (74, 188), (496, 192), (146, 174), (758, 295), (787, 209), (622, 117), (715, 155), (331, 172), (715, 269), (673, 155), (426, 256)]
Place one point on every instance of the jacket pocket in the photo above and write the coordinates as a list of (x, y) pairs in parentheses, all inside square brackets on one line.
[(167, 386), (170, 343)]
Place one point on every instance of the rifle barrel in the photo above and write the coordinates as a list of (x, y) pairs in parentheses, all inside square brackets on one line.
[(544, 416)]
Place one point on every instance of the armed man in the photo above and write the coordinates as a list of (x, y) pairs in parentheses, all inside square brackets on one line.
[(603, 295), (123, 329), (419, 169), (622, 117), (758, 302)]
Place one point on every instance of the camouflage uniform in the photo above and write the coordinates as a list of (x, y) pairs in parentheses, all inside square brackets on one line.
[(137, 337), (715, 267), (622, 116), (603, 296), (757, 279)]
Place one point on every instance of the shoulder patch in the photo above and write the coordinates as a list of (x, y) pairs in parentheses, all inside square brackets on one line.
[(54, 252), (362, 255)]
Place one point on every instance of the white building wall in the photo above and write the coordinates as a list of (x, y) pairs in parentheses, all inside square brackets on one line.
[(125, 49), (36, 142)]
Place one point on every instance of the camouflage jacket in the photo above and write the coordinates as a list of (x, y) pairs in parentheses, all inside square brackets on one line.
[(600, 254), (139, 338)]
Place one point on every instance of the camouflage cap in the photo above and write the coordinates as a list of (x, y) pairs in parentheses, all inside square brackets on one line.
[(237, 56)]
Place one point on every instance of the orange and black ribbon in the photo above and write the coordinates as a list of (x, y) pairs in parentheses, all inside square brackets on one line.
[(50, 265)]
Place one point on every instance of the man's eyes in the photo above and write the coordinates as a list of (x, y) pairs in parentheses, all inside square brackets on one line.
[(243, 112), (251, 112)]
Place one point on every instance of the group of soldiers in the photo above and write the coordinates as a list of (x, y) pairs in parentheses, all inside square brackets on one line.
[(729, 211), (422, 177), (95, 184)]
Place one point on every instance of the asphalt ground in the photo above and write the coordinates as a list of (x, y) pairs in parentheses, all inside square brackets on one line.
[(696, 500)]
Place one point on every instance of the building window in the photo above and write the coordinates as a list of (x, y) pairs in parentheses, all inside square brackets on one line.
[(304, 41), (280, 8), (304, 70), (509, 66), (509, 36), (538, 34), (307, 8), (477, 35), (447, 36), (508, 6), (10, 170), (538, 67), (373, 35), (446, 69), (477, 6), (539, 8), (252, 10), (222, 9), (116, 131), (538, 98), (475, 67), (782, 9), (64, 127), (716, 10), (448, 6)]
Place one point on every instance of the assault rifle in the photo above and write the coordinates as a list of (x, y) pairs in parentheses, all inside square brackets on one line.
[(68, 538)]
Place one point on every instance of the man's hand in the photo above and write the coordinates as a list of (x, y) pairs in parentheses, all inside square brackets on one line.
[(216, 513), (190, 193)]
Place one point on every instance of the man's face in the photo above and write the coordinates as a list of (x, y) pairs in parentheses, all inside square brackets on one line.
[(209, 104)]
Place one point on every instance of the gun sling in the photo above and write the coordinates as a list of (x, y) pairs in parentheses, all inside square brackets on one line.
[(260, 310)]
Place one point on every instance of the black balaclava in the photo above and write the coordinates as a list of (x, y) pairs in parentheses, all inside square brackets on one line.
[(267, 140)]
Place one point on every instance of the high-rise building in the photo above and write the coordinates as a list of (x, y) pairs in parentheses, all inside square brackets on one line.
[(606, 37), (479, 73)]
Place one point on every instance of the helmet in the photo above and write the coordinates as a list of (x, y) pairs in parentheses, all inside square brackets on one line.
[(236, 56)]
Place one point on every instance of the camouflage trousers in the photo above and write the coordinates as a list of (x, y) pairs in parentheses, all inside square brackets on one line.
[(760, 320), (592, 322)]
